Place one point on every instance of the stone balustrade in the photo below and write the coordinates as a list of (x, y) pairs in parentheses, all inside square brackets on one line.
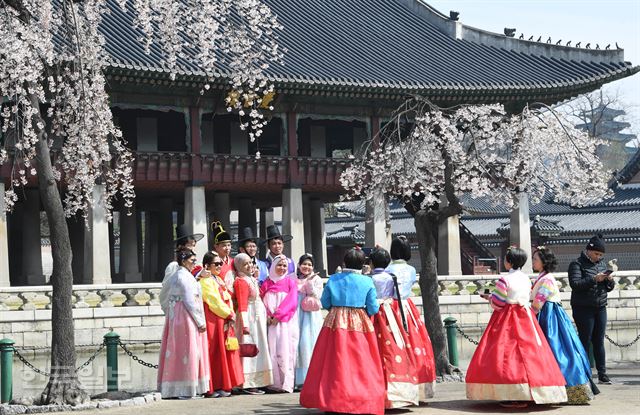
[(476, 284), (147, 294), (84, 296)]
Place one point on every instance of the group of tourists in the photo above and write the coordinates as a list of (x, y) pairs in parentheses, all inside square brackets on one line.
[(252, 325), (238, 323)]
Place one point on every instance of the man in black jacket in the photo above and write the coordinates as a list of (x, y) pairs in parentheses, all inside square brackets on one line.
[(590, 284)]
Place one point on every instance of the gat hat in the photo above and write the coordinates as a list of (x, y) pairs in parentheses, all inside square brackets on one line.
[(246, 235), (273, 232), (596, 243), (219, 234), (183, 234)]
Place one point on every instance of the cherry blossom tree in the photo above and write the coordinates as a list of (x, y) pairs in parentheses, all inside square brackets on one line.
[(52, 63), (430, 158)]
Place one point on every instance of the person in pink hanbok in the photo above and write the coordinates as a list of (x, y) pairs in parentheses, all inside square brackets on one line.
[(279, 293), (183, 369)]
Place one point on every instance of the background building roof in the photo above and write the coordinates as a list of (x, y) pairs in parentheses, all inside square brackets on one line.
[(402, 45)]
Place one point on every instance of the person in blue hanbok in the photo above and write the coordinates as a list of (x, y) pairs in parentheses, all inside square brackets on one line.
[(556, 326), (345, 374), (309, 314)]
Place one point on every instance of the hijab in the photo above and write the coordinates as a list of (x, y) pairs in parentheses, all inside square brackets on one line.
[(273, 276), (239, 261)]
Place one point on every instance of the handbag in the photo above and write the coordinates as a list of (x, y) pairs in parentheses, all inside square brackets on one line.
[(249, 349), (310, 303), (231, 342)]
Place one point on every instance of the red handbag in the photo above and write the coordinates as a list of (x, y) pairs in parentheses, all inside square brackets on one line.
[(248, 349)]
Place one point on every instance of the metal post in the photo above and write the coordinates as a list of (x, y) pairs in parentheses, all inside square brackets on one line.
[(452, 341), (6, 370), (111, 340)]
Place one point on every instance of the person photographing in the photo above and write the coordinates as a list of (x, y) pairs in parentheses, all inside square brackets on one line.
[(590, 282)]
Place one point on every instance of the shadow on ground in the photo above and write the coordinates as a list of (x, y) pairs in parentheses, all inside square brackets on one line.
[(467, 406)]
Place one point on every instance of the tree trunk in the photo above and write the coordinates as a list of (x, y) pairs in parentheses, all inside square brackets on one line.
[(427, 228), (63, 386)]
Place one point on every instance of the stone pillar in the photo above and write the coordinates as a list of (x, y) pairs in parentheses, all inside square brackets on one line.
[(129, 270), (319, 237), (375, 225), (306, 218), (521, 228), (449, 262), (246, 214), (195, 217), (97, 264), (266, 219), (4, 242), (221, 208), (292, 222), (31, 242)]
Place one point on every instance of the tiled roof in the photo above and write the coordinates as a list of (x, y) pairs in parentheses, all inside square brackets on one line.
[(631, 169), (539, 226), (397, 45), (624, 196)]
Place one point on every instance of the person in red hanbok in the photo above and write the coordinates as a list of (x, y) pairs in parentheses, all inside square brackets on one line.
[(252, 324), (421, 350), (513, 362), (226, 368), (345, 374), (392, 332)]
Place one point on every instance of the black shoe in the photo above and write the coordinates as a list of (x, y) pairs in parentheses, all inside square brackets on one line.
[(604, 379)]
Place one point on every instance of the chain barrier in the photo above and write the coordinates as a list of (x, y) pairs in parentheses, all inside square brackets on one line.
[(463, 334), (29, 365), (90, 359), (622, 345), (47, 374), (134, 357)]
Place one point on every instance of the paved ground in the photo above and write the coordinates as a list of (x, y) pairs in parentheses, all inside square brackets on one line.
[(623, 397)]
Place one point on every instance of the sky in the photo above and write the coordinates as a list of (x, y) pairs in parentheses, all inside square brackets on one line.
[(588, 21)]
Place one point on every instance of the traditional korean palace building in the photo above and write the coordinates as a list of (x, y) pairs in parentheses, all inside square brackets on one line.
[(348, 64)]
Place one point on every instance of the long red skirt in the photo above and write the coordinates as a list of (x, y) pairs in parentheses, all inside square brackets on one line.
[(226, 367), (420, 350), (398, 368), (514, 362), (345, 373)]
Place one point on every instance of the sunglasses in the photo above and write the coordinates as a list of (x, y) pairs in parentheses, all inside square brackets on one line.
[(193, 260), (218, 264)]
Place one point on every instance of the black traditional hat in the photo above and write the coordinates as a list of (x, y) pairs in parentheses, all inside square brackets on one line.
[(273, 232), (246, 234), (183, 234), (219, 234)]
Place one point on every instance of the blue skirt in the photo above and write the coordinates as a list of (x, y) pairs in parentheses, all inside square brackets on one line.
[(565, 344)]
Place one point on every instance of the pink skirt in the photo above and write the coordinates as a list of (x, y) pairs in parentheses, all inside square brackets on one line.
[(183, 369)]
